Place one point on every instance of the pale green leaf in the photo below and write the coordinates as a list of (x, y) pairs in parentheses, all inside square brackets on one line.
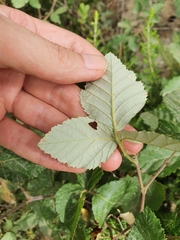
[(174, 49), (146, 227), (9, 236), (172, 102), (55, 18), (149, 119), (35, 4), (19, 3), (110, 102), (115, 98), (171, 86), (75, 142), (151, 158), (151, 138)]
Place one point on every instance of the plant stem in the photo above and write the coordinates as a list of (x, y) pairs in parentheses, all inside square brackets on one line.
[(29, 200), (145, 188), (51, 10)]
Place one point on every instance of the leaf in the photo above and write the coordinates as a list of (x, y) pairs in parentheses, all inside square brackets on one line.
[(106, 198), (149, 119), (75, 142), (19, 3), (15, 168), (123, 194), (35, 4), (9, 236), (151, 158), (90, 178), (111, 102), (171, 86), (116, 97), (69, 205), (146, 226), (168, 128), (155, 195), (151, 138), (172, 102), (174, 49)]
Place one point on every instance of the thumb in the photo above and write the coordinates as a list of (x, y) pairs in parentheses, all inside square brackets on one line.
[(31, 54)]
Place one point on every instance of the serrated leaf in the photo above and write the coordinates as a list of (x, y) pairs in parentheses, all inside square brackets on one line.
[(69, 205), (15, 168), (151, 158), (151, 138), (146, 226), (115, 98), (111, 102), (171, 86), (172, 102), (75, 142), (124, 194), (90, 178)]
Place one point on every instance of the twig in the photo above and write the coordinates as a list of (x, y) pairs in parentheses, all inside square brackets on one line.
[(51, 10), (29, 200)]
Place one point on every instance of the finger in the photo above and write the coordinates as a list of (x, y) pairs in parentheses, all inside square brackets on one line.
[(24, 143), (65, 98), (113, 162), (49, 31), (31, 54), (132, 148), (36, 113)]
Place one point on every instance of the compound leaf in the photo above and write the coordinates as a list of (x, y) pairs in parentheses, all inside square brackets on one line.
[(110, 102), (151, 138), (115, 98), (75, 142)]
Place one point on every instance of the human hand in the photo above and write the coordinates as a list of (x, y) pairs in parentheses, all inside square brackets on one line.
[(39, 64)]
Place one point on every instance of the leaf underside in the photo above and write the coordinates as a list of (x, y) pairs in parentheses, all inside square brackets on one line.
[(151, 138), (110, 102)]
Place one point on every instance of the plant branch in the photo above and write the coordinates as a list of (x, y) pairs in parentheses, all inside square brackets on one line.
[(51, 10), (29, 200), (165, 163)]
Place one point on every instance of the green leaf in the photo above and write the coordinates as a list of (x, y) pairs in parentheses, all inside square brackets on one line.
[(149, 119), (151, 158), (61, 10), (171, 86), (75, 142), (90, 178), (35, 4), (55, 18), (174, 49), (27, 221), (123, 194), (146, 226), (168, 128), (151, 138), (172, 102), (15, 168), (69, 204), (19, 3), (106, 198), (115, 98), (155, 195), (110, 102), (9, 236)]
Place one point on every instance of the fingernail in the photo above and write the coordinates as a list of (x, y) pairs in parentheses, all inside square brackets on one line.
[(95, 62)]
